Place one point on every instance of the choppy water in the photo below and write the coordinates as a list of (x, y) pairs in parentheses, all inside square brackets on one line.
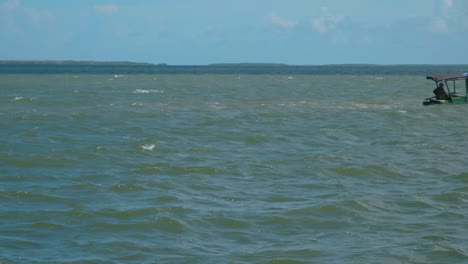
[(230, 169)]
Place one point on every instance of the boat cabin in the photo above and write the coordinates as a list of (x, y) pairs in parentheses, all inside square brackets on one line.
[(451, 81)]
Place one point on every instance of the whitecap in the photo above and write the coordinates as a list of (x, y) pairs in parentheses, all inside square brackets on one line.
[(143, 91), (140, 91), (371, 106), (19, 98), (148, 147), (217, 105)]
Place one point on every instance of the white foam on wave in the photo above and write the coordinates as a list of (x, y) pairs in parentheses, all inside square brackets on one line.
[(19, 98), (372, 106), (143, 91), (216, 105), (148, 147)]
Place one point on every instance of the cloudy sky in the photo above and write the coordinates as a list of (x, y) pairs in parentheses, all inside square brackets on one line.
[(217, 31)]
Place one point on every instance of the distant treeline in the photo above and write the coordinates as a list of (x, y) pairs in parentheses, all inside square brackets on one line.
[(89, 67)]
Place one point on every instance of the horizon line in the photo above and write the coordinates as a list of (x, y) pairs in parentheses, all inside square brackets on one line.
[(216, 64)]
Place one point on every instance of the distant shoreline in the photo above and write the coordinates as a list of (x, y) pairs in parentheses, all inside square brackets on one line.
[(130, 63), (71, 62), (227, 64), (125, 67)]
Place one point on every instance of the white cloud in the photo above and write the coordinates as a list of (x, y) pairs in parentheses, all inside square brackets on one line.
[(37, 17), (106, 9), (446, 6), (448, 3), (438, 25), (326, 21), (10, 5), (275, 19), (441, 23)]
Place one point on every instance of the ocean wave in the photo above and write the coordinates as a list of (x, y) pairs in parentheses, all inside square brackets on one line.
[(161, 223), (216, 105), (22, 99), (33, 196), (257, 170), (46, 225), (124, 188), (148, 147), (285, 255), (40, 160), (143, 91), (225, 222)]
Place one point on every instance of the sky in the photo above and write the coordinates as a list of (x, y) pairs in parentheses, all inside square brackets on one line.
[(199, 32)]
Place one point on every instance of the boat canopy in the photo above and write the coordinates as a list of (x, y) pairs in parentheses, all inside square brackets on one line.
[(448, 77)]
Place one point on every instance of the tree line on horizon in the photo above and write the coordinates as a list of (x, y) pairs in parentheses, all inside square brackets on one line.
[(123, 67)]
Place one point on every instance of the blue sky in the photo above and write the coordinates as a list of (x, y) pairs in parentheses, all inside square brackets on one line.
[(303, 32)]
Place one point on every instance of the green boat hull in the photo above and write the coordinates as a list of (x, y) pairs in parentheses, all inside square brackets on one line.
[(455, 100)]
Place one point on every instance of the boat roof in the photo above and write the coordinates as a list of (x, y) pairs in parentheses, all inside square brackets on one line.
[(448, 77)]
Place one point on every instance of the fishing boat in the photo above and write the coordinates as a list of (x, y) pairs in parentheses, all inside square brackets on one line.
[(450, 80)]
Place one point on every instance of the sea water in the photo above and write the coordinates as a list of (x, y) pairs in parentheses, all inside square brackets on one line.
[(230, 169)]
